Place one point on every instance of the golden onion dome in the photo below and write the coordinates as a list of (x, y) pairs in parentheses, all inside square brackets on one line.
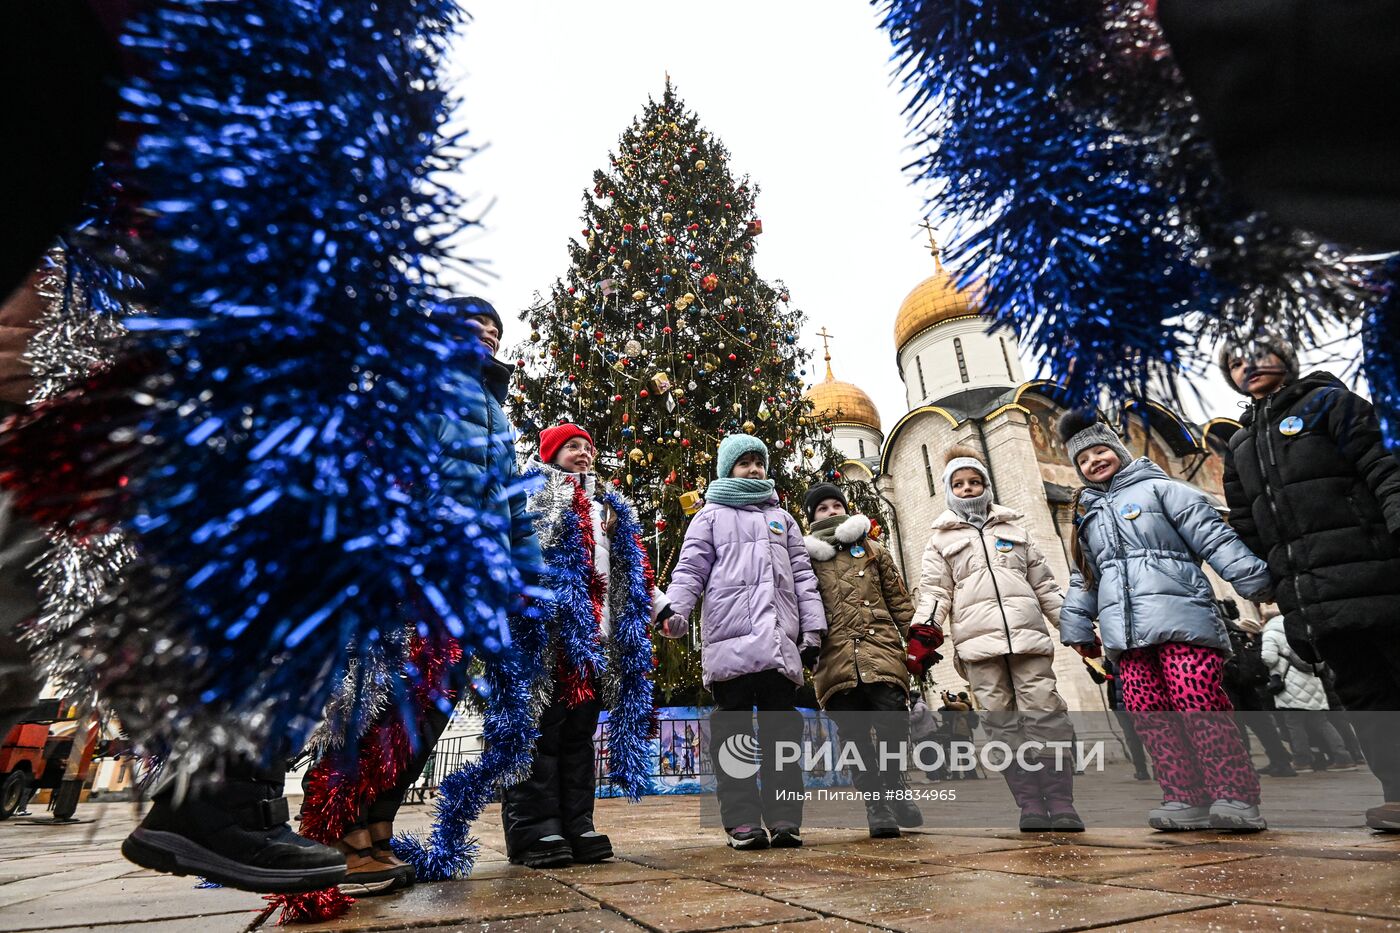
[(934, 300), (839, 402)]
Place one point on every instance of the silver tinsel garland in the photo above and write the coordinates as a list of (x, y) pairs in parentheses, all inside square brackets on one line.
[(76, 337)]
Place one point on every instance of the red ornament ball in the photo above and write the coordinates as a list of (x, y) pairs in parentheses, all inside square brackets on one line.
[(661, 524), (644, 393), (732, 357), (685, 442)]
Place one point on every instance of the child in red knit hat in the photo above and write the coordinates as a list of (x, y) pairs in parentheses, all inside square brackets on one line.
[(604, 605)]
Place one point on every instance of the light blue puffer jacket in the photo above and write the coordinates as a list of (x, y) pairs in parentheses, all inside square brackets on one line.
[(1145, 539)]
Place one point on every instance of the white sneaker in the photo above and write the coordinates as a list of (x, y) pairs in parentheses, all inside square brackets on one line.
[(1236, 816), (1176, 816)]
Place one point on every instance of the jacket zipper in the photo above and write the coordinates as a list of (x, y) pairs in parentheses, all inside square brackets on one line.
[(995, 589), (1264, 425), (1127, 585)]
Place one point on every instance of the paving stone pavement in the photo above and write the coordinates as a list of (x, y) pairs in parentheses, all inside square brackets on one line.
[(673, 875)]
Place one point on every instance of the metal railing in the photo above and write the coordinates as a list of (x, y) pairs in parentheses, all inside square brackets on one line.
[(682, 755)]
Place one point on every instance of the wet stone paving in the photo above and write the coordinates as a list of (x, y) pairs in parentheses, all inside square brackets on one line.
[(672, 875)]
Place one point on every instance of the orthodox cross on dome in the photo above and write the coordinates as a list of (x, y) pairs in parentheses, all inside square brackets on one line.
[(826, 349), (933, 245)]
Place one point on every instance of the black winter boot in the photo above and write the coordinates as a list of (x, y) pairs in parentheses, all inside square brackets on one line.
[(236, 834), (881, 820)]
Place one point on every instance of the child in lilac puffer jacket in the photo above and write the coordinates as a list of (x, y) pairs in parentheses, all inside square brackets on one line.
[(762, 623)]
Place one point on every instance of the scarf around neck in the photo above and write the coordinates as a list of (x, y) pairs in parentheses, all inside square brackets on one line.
[(974, 511), (733, 490), (825, 531)]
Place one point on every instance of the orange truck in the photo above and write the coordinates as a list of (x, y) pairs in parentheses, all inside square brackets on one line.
[(35, 755)]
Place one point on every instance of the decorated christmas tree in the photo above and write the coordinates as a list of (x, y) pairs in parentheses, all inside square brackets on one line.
[(662, 338)]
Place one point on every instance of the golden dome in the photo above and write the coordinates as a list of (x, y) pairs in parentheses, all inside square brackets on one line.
[(841, 402), (934, 300)]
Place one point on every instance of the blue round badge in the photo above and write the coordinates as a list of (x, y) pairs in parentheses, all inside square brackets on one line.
[(1130, 512), (1290, 426), (1005, 546), (857, 550), (776, 527)]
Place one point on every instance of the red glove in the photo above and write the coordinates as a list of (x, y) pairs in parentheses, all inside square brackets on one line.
[(928, 633), (922, 653)]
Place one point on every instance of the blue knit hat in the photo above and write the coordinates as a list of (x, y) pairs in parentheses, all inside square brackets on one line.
[(735, 446)]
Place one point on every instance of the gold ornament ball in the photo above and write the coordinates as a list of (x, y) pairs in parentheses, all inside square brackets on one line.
[(749, 427), (627, 264), (667, 217), (638, 295), (808, 452), (636, 454), (700, 164)]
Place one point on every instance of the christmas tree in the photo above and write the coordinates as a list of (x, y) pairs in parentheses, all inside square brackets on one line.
[(662, 338)]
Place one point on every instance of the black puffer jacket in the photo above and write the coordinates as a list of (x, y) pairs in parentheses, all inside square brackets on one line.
[(1311, 487)]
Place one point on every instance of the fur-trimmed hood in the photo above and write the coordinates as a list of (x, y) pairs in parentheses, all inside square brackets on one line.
[(822, 542)]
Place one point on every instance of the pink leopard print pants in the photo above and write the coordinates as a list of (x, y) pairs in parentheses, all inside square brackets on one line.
[(1184, 718)]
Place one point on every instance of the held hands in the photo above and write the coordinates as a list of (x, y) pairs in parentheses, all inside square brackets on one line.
[(810, 655), (663, 619), (922, 653), (1090, 651)]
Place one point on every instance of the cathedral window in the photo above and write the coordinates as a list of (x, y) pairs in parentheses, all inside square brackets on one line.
[(1006, 355), (928, 472), (862, 448), (962, 360), (923, 391)]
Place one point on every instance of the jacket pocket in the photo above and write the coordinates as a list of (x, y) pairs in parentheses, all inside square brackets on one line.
[(728, 614)]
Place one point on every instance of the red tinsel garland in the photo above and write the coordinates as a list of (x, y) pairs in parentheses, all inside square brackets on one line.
[(339, 789)]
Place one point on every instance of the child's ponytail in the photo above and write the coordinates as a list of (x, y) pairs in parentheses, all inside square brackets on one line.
[(1076, 546)]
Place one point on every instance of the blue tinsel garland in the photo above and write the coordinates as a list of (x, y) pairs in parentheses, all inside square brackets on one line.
[(1061, 142), (632, 713), (509, 732), (1380, 342), (271, 464), (569, 574)]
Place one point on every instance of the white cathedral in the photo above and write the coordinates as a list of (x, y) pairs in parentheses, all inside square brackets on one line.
[(965, 385)]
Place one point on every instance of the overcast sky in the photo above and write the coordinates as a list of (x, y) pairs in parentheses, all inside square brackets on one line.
[(801, 95)]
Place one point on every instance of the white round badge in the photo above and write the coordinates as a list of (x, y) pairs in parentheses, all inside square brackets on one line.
[(857, 550), (1130, 512), (776, 527), (1290, 426), (1005, 546)]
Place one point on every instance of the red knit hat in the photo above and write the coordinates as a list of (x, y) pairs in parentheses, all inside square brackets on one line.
[(551, 439)]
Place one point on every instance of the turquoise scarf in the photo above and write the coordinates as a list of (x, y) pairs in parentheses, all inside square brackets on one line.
[(735, 491)]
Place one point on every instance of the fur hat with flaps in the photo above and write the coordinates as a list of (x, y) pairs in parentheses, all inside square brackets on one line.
[(1081, 429), (1263, 343)]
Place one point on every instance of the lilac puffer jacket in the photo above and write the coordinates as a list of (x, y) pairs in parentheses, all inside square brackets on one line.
[(761, 600)]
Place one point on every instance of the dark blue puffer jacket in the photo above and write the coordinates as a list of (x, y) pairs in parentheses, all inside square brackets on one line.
[(1145, 538), (477, 466)]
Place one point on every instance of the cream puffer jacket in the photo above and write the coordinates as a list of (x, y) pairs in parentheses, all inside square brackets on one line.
[(994, 585)]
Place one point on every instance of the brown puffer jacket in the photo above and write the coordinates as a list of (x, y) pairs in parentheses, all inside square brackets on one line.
[(867, 611), (993, 582)]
